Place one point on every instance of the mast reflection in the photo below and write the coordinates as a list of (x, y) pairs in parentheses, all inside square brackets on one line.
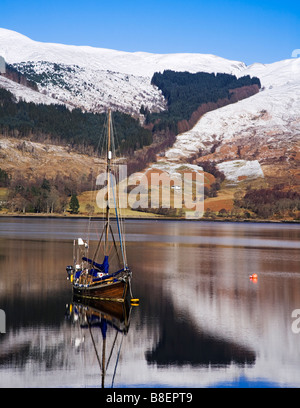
[(109, 317)]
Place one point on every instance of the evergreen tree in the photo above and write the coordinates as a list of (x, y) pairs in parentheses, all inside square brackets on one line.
[(46, 185), (4, 178), (74, 204)]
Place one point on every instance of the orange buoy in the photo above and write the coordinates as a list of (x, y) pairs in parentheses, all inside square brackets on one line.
[(253, 277)]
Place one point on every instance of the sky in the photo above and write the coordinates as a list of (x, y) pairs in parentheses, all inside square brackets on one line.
[(249, 31)]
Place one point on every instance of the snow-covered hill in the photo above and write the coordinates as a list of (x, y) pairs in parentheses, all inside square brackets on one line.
[(93, 89), (93, 78), (264, 127), (274, 111), (15, 47)]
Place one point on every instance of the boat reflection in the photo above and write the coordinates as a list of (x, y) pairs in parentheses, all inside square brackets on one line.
[(112, 319)]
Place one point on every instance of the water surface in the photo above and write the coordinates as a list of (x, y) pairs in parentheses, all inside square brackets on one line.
[(201, 322)]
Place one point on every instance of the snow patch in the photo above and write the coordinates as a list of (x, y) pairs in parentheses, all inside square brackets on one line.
[(237, 170), (175, 169)]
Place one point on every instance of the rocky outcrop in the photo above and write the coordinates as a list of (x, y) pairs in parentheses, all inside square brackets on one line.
[(279, 161)]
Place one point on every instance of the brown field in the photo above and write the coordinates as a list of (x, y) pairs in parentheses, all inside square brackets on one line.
[(223, 200), (3, 193)]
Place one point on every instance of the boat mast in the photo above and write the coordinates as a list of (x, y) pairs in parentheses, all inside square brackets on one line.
[(108, 180)]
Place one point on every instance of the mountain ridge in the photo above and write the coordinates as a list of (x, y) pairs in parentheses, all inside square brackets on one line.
[(101, 76), (261, 133), (13, 48)]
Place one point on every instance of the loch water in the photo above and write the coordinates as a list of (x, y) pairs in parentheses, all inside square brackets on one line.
[(201, 320)]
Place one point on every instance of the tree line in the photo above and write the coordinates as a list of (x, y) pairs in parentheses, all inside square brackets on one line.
[(185, 92), (42, 195), (269, 202), (58, 124)]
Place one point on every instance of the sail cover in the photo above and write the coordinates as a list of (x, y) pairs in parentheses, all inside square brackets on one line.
[(104, 267)]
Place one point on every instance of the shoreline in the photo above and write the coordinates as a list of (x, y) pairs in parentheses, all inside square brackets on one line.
[(161, 218)]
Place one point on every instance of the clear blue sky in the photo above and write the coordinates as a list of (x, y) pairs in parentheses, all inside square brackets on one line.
[(250, 31)]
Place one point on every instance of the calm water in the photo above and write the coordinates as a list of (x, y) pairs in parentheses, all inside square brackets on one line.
[(201, 321)]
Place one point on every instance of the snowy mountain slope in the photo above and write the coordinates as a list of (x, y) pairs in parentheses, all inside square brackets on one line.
[(270, 113), (15, 47), (94, 78), (265, 126), (91, 89)]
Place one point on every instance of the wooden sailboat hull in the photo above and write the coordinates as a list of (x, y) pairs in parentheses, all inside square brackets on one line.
[(115, 312), (114, 291)]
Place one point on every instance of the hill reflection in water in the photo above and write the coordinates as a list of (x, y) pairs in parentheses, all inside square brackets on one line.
[(201, 321)]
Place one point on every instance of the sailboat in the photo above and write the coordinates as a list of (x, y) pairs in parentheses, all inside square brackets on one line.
[(92, 276)]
